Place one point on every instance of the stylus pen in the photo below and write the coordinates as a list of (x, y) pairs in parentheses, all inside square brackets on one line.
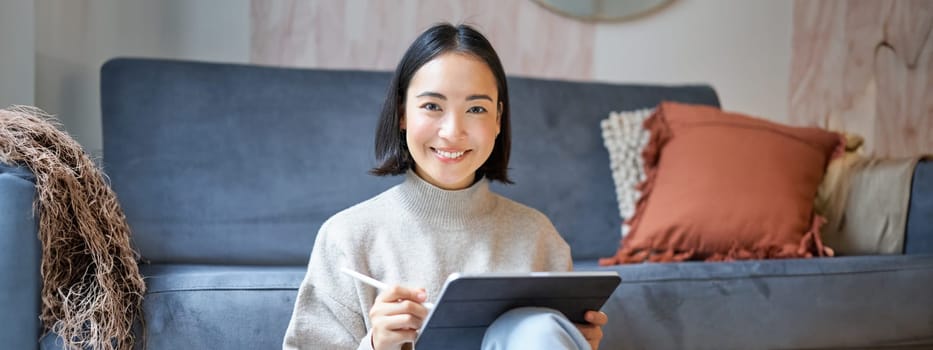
[(375, 283)]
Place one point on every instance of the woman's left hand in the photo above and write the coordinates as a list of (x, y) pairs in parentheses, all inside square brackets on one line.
[(593, 331)]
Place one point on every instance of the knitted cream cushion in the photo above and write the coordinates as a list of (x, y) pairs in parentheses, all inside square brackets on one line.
[(625, 137)]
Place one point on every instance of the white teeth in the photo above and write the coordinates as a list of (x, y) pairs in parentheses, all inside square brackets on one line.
[(450, 155)]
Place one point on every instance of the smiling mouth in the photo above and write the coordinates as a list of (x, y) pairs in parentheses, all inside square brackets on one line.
[(449, 155)]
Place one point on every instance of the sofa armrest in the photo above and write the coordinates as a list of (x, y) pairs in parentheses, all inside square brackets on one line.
[(19, 260), (918, 236)]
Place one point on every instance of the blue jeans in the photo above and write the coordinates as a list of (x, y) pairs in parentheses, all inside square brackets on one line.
[(533, 328)]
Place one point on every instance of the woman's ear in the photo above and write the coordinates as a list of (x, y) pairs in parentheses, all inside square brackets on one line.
[(499, 117), (401, 118)]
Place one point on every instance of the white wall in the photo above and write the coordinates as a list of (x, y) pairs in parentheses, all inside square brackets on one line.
[(74, 38), (741, 47), (17, 52)]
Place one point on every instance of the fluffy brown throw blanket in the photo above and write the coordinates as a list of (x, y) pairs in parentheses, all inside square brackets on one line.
[(91, 287)]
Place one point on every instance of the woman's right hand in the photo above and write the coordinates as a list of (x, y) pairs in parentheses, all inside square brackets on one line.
[(396, 316)]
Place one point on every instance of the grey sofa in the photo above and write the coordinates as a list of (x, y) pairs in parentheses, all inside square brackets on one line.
[(226, 172)]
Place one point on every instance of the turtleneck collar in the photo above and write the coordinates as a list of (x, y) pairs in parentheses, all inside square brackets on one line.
[(437, 205)]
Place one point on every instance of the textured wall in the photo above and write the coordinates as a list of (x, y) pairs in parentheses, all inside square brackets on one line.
[(740, 47), (374, 34), (865, 67)]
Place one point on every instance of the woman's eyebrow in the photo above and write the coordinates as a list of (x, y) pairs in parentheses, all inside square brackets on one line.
[(479, 97), (432, 94)]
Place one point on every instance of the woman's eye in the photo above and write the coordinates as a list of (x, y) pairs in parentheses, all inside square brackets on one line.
[(476, 109), (431, 107)]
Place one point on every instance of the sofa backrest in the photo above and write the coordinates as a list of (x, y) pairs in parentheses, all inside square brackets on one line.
[(239, 164)]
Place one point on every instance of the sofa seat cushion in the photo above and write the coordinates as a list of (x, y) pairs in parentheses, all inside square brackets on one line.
[(881, 301), (219, 307), (215, 306)]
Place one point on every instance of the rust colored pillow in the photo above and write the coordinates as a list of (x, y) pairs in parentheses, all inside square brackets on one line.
[(724, 186)]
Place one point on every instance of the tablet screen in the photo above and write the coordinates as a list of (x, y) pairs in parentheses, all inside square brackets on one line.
[(469, 303)]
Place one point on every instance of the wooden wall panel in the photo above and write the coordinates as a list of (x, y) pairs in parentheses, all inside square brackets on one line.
[(864, 66)]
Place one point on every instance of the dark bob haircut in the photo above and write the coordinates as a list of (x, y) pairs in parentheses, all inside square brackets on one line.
[(391, 149)]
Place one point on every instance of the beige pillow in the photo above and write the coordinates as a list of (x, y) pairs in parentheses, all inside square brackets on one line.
[(625, 138), (850, 196)]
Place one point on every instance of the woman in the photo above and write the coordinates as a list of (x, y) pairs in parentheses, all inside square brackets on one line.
[(445, 127)]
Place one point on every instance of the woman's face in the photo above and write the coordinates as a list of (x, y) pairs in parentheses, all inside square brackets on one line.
[(451, 119)]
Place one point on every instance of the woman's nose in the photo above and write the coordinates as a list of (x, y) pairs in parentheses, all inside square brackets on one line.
[(452, 126)]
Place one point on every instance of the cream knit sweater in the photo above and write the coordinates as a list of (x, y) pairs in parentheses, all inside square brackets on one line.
[(415, 235)]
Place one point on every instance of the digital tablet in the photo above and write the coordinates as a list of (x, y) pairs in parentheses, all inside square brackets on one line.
[(469, 303)]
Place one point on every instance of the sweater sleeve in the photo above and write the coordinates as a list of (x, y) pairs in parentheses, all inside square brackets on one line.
[(327, 314), (555, 250), (561, 258)]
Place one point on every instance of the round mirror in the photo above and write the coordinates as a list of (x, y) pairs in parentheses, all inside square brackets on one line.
[(603, 10)]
